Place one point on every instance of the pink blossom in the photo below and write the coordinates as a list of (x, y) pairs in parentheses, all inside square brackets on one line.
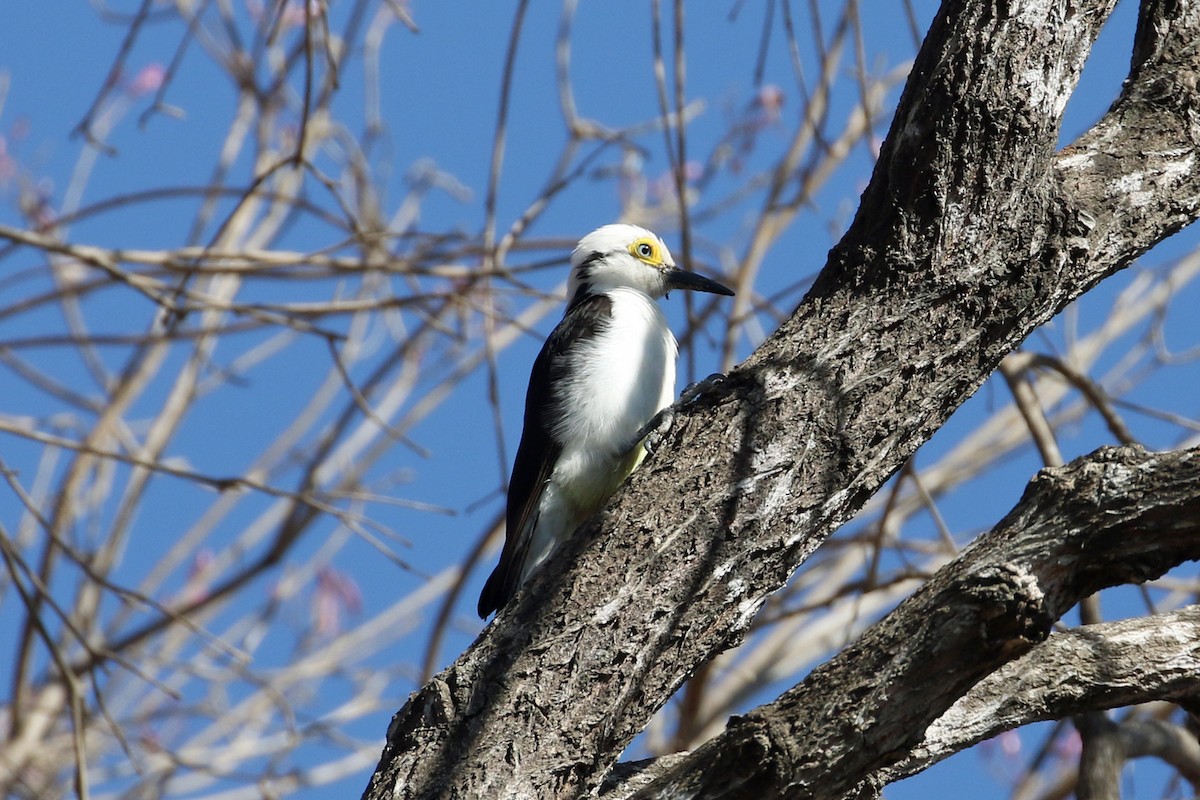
[(770, 102), (201, 561), (663, 187), (1010, 744), (148, 80), (8, 166), (336, 592), (1069, 745), (196, 588), (1006, 745)]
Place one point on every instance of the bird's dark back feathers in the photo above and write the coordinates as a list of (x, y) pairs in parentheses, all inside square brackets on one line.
[(538, 452)]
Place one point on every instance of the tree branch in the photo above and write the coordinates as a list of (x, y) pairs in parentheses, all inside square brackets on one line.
[(1085, 669), (1133, 177), (1116, 516)]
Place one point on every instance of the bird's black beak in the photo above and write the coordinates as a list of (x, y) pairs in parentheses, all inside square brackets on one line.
[(682, 279)]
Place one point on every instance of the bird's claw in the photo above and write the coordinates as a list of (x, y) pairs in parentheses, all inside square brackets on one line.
[(694, 391), (653, 432)]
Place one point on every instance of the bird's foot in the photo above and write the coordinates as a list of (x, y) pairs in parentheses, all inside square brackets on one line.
[(653, 432), (695, 391)]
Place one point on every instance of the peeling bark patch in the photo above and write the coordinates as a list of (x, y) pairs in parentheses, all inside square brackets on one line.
[(1011, 606), (1142, 189)]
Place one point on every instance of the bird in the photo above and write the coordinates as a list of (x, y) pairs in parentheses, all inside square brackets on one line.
[(603, 374)]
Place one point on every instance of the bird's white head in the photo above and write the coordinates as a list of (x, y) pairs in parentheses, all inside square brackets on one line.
[(628, 256)]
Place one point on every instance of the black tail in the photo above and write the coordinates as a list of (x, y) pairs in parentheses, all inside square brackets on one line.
[(502, 584), (495, 592)]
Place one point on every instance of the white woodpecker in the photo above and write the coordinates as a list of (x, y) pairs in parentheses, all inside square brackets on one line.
[(607, 369)]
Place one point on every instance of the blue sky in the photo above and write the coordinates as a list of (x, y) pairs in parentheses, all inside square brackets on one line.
[(438, 106)]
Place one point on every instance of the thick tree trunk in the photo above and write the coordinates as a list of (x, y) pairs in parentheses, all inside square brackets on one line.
[(972, 232)]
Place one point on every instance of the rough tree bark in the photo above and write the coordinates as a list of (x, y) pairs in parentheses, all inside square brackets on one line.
[(1118, 516), (1106, 665), (972, 232)]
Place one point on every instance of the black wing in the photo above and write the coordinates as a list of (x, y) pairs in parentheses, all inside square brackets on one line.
[(538, 451)]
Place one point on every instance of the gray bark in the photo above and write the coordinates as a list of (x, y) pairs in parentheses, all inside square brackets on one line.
[(1101, 761), (1085, 669), (972, 232), (1118, 516)]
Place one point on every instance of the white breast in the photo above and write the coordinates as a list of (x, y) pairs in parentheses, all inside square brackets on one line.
[(625, 375)]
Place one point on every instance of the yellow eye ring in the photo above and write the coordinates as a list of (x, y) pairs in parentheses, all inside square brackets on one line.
[(646, 250)]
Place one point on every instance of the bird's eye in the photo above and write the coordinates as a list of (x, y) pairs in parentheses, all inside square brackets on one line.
[(645, 250)]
